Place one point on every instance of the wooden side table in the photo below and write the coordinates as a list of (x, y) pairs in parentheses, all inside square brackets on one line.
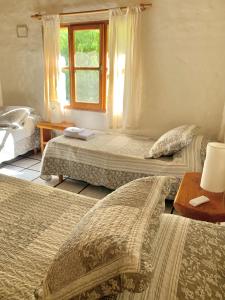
[(212, 211), (46, 131)]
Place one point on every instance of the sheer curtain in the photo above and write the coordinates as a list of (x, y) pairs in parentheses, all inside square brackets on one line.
[(125, 68), (51, 33)]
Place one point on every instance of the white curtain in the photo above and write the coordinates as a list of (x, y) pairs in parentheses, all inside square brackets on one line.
[(51, 33), (125, 68)]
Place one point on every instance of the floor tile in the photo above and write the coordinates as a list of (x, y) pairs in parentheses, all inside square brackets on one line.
[(24, 162), (25, 155), (27, 174), (53, 182), (168, 206), (10, 170), (37, 156), (72, 185), (9, 162), (36, 167), (97, 192)]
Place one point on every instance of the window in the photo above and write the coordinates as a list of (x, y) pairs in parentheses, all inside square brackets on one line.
[(83, 61)]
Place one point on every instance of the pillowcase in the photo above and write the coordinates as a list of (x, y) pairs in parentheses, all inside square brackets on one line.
[(173, 141), (14, 117), (110, 248)]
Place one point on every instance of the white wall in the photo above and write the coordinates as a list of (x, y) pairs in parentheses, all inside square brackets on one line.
[(183, 49), (21, 70)]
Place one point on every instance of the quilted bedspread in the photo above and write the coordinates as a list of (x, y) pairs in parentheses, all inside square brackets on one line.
[(188, 260), (112, 160), (34, 222)]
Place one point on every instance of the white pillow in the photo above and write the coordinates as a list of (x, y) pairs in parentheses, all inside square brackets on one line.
[(13, 117)]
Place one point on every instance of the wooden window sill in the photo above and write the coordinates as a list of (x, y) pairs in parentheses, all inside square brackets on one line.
[(87, 107)]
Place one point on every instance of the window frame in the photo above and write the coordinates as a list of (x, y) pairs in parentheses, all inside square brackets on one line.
[(102, 26)]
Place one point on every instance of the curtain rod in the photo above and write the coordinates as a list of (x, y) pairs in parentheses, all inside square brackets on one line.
[(39, 16)]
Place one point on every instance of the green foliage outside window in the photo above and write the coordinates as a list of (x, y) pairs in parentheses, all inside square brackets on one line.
[(87, 48), (87, 40), (64, 44)]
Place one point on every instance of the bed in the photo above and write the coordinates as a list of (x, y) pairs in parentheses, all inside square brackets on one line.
[(19, 140), (188, 260), (112, 160)]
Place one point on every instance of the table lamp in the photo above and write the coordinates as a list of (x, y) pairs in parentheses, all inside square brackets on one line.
[(213, 176)]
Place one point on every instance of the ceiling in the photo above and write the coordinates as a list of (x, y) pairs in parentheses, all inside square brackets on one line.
[(56, 6), (77, 5)]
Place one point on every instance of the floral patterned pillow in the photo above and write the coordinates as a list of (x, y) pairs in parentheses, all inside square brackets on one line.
[(110, 249), (173, 141)]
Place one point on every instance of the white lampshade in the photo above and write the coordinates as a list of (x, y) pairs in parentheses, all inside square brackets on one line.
[(213, 176), (1, 98)]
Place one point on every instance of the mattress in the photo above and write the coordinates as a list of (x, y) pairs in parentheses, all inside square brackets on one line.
[(112, 160), (188, 260), (14, 142)]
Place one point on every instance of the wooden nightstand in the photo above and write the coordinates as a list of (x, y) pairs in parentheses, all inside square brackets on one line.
[(46, 131), (213, 211)]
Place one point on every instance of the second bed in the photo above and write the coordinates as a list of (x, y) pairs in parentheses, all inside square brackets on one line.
[(112, 160)]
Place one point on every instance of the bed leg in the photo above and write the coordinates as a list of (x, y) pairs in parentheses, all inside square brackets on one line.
[(35, 151), (60, 178)]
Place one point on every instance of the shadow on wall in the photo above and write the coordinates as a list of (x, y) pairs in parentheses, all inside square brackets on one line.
[(24, 100)]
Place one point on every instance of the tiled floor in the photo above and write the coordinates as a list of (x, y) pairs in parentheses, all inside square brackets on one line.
[(28, 167)]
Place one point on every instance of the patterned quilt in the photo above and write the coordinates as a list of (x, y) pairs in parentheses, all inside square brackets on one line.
[(189, 262), (189, 256), (34, 222), (112, 160)]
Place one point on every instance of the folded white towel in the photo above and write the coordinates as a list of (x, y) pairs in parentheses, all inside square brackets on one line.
[(73, 130), (79, 133)]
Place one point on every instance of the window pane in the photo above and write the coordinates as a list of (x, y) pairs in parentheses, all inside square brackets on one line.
[(64, 86), (87, 86), (67, 85), (87, 45), (64, 47)]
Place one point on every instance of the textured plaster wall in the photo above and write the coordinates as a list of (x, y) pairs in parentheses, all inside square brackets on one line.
[(183, 49), (21, 70)]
